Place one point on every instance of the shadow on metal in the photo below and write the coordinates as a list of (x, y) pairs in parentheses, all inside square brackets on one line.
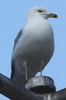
[(37, 88), (11, 90), (41, 85)]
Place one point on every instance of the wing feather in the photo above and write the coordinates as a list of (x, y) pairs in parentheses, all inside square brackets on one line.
[(12, 61), (17, 38)]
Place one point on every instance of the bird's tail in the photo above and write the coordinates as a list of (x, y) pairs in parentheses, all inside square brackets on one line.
[(15, 76)]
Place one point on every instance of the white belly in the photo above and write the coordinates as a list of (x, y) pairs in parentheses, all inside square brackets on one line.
[(33, 47)]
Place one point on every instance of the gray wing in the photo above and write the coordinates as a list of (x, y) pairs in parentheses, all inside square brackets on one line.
[(12, 62), (17, 38)]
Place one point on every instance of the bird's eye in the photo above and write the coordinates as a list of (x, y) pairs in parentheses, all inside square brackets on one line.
[(39, 10)]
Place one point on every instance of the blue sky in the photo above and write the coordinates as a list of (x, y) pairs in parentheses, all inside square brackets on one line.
[(13, 17)]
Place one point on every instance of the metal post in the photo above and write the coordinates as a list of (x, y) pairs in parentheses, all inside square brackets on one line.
[(44, 87), (59, 95), (15, 92), (47, 92)]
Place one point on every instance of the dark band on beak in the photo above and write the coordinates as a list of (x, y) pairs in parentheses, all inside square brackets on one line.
[(51, 15)]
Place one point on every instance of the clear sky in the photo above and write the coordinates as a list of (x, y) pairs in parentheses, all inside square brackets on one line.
[(13, 17)]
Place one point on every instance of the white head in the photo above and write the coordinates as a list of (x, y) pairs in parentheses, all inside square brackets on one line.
[(41, 12)]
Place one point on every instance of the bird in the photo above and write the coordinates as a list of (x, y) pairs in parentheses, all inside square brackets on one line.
[(33, 46)]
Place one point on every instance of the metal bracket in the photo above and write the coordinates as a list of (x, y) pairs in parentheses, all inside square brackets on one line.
[(11, 90)]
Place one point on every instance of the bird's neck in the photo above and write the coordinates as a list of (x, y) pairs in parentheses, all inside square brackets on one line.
[(35, 19)]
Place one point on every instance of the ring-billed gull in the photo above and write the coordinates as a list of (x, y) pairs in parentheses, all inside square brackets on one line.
[(33, 46)]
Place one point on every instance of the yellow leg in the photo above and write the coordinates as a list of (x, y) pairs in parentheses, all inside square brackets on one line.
[(25, 69), (26, 73), (41, 68)]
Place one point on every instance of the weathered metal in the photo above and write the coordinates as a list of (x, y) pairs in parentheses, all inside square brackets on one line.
[(15, 92), (44, 87), (59, 95), (11, 90), (41, 85)]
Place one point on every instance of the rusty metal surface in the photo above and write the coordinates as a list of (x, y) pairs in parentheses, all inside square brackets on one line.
[(15, 92), (41, 85)]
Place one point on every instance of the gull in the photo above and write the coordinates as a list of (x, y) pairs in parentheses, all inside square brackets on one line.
[(33, 46)]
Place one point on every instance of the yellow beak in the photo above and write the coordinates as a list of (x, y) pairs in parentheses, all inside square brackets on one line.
[(51, 15)]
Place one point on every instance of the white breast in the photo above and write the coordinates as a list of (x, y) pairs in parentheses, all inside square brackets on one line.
[(35, 45)]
